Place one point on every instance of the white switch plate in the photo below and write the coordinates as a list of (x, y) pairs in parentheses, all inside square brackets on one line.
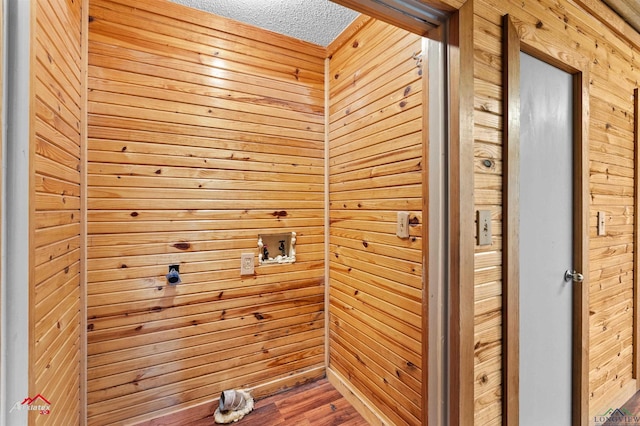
[(602, 218), (246, 264), (484, 227), (402, 225)]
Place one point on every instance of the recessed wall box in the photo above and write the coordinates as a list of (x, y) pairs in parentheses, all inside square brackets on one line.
[(276, 248)]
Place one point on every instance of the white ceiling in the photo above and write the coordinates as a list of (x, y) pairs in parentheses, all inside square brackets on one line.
[(315, 21)]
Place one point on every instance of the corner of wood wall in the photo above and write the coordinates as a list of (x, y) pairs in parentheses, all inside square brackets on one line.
[(357, 399)]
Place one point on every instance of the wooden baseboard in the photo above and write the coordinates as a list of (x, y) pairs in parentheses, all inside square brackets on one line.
[(207, 408), (362, 405)]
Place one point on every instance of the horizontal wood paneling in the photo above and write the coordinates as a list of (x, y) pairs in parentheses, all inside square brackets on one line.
[(569, 35), (203, 133), (58, 120), (488, 196), (375, 170)]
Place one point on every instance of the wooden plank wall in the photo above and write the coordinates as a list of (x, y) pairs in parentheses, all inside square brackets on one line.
[(563, 31), (375, 170), (488, 259), (203, 133), (58, 119)]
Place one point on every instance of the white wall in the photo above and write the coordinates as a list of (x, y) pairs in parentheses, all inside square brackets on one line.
[(14, 372)]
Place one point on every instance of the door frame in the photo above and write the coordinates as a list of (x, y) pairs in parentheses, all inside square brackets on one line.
[(449, 391), (578, 68)]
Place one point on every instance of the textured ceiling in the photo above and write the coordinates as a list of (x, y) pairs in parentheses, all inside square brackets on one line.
[(321, 21), (315, 21)]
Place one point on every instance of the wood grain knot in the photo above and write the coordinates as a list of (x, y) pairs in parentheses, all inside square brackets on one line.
[(182, 246)]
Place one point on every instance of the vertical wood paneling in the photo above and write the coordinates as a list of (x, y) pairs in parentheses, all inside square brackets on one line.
[(203, 133), (58, 119), (375, 110)]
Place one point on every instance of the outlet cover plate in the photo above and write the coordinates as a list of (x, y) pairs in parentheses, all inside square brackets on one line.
[(602, 218), (246, 264), (484, 227), (402, 225)]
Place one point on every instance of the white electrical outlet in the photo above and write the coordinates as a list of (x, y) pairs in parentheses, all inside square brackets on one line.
[(246, 264), (402, 225)]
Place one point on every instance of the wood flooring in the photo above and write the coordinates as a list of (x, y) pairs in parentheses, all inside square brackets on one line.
[(627, 414), (313, 404)]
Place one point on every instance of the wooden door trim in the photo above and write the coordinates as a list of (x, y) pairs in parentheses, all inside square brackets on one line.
[(461, 210), (581, 195), (511, 222), (512, 45), (84, 149), (426, 219), (636, 240), (412, 18), (460, 234)]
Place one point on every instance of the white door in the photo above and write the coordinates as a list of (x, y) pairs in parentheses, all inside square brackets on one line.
[(546, 218)]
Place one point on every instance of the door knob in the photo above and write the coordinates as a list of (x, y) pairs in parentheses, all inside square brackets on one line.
[(574, 276)]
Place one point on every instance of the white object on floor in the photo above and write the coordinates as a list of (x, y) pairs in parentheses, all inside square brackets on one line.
[(233, 405)]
